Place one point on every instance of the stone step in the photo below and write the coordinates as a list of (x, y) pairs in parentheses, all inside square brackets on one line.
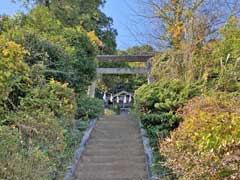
[(121, 121), (112, 166), (113, 159), (121, 148), (115, 141), (116, 125), (115, 146), (101, 173), (137, 178), (114, 152), (110, 133), (115, 130)]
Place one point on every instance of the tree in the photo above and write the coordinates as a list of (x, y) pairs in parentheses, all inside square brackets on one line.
[(68, 53), (85, 13), (188, 21)]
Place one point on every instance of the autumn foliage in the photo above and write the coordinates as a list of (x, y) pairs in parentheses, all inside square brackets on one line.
[(206, 144)]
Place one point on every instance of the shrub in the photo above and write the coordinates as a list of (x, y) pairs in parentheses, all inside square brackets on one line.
[(206, 144), (36, 133), (157, 104), (45, 123), (13, 72), (159, 124), (225, 56), (38, 130), (58, 97), (164, 96), (88, 107), (16, 162)]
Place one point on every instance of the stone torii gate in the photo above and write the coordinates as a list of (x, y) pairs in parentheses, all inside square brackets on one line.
[(123, 58)]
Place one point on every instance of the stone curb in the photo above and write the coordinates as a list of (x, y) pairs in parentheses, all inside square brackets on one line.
[(78, 153), (148, 154)]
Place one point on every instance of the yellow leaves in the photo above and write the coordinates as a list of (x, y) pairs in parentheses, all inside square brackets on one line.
[(188, 14), (12, 66), (65, 100), (177, 29), (165, 9), (5, 52), (65, 85), (94, 39), (208, 136), (65, 96), (14, 50), (56, 83), (70, 50), (53, 82), (174, 2)]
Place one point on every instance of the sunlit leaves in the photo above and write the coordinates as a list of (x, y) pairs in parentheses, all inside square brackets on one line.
[(13, 70), (207, 140)]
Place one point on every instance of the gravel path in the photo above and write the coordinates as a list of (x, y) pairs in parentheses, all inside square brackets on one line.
[(113, 152)]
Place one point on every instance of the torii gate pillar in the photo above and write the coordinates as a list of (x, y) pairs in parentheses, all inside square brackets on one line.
[(149, 67), (92, 88)]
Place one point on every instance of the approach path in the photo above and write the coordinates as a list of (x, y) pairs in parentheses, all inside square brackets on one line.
[(113, 152)]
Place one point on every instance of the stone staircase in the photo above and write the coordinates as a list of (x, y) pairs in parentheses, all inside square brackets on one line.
[(113, 152)]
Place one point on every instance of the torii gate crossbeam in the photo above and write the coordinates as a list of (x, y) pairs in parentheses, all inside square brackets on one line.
[(123, 58)]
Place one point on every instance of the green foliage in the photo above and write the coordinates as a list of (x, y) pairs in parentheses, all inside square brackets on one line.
[(215, 63), (211, 154), (16, 163), (83, 53), (88, 107), (226, 57), (164, 96), (38, 131), (13, 73), (67, 52), (109, 112), (38, 107), (159, 125), (206, 144), (43, 121), (157, 104), (140, 50), (41, 21), (56, 96), (88, 14)]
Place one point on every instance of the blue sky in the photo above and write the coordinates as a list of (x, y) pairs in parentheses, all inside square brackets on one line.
[(125, 20), (127, 23), (7, 7)]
